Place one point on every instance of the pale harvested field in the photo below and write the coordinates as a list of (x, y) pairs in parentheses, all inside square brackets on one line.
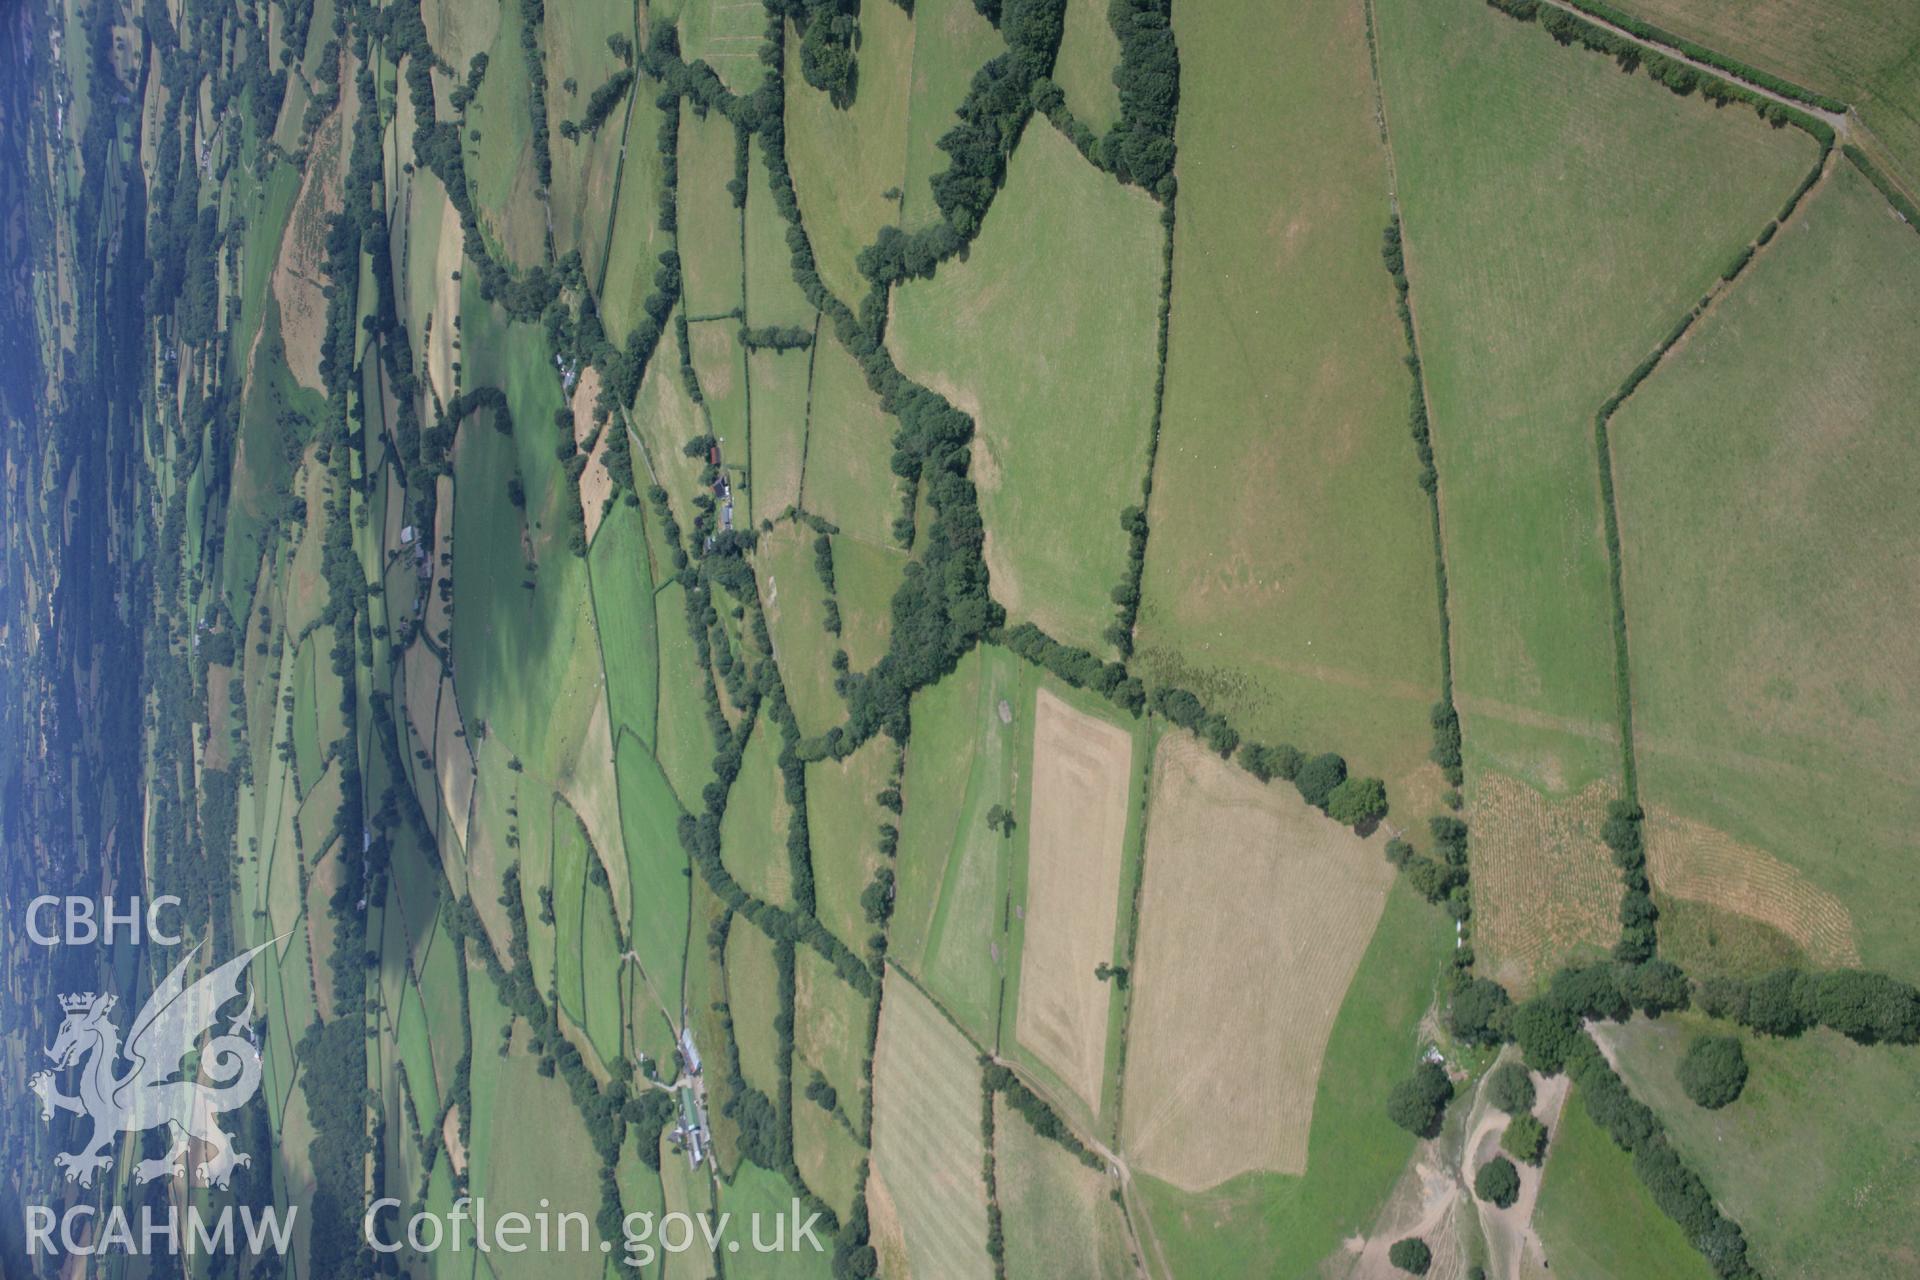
[(926, 1137), (596, 482), (1692, 860), (1254, 915), (1544, 884), (321, 886), (449, 254), (453, 760), (1076, 826)]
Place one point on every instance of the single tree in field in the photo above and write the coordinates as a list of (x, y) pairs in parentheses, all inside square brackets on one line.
[(1318, 777), (1418, 1103), (1000, 818), (1525, 1139), (1510, 1088), (1498, 1182), (1714, 1071), (1411, 1255)]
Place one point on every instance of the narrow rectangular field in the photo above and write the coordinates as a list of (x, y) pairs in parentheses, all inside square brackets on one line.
[(1076, 824), (1254, 915), (926, 1138)]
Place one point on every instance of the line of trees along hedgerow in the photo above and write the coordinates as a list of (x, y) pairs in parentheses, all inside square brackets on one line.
[(944, 607)]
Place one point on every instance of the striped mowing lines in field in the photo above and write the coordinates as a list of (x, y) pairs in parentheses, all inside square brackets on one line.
[(1254, 915), (1075, 826), (926, 1137)]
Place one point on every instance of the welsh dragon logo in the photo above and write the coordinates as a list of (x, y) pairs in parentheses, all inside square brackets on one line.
[(156, 1088)]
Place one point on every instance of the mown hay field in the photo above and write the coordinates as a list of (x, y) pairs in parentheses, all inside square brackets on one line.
[(1076, 829), (1254, 915), (848, 476), (1860, 51), (795, 603), (710, 238), (1766, 474), (1059, 1216), (843, 828), (926, 1136), (778, 382), (1541, 278), (1819, 1158), (1059, 377), (1289, 570)]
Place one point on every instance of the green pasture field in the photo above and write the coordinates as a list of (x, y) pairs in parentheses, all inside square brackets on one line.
[(712, 232), (500, 167), (656, 869), (439, 984), (1058, 1217), (1059, 377), (1089, 51), (489, 1018), (552, 1169), (625, 276), (574, 37), (827, 1155), (706, 996), (1818, 1160), (1594, 1217), (261, 471), (1289, 575), (686, 748), (778, 382), (1355, 1153), (796, 610), (528, 667), (727, 35), (757, 1192), (416, 1051), (773, 295), (843, 826), (753, 831), (306, 720), (849, 477), (954, 873), (927, 1146), (457, 29), (846, 161), (1861, 51), (951, 41), (753, 1001), (664, 419), (680, 1189), (537, 827), (570, 858), (720, 363), (602, 972), (624, 618), (1765, 477), (1508, 146)]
